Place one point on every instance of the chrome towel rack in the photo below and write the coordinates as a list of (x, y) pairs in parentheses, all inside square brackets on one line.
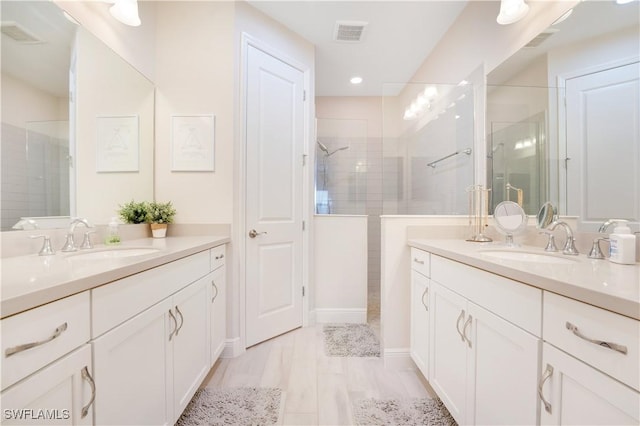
[(467, 151)]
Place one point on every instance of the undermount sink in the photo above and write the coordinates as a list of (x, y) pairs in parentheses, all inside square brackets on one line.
[(113, 253), (525, 256)]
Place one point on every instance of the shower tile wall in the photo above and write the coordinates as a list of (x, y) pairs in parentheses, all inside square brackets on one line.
[(353, 183), (35, 175)]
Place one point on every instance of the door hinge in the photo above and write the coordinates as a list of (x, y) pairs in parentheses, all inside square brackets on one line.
[(304, 159), (304, 225), (304, 95), (303, 291)]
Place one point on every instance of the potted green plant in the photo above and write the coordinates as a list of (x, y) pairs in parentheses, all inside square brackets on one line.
[(134, 212), (159, 215)]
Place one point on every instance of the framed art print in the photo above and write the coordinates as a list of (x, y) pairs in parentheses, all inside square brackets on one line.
[(192, 143)]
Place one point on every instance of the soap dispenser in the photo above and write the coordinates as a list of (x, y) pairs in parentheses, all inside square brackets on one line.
[(113, 237), (622, 244)]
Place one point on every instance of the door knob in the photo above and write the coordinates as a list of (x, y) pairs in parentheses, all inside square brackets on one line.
[(253, 233)]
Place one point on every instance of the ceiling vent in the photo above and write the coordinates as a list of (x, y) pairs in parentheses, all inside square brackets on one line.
[(349, 31), (19, 33), (541, 38)]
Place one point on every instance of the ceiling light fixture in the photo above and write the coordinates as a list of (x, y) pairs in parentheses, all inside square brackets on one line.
[(126, 11), (356, 80), (512, 11)]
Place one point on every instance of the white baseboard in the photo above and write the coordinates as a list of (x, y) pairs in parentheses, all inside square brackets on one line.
[(398, 359), (232, 348), (351, 316)]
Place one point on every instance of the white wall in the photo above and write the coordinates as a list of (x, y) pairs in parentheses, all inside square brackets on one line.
[(22, 102), (340, 247), (194, 75)]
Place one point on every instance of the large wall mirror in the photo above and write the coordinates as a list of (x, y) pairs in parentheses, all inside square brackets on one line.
[(562, 117), (79, 155)]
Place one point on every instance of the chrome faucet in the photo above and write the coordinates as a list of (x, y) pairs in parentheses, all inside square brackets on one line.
[(596, 252), (569, 246), (70, 244)]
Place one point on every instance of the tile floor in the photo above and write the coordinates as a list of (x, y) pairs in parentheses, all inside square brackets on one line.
[(317, 390)]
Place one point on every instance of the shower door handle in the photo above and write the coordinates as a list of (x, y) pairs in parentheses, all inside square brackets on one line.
[(253, 233)]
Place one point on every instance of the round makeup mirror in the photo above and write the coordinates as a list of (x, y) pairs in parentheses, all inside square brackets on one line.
[(510, 219), (546, 215)]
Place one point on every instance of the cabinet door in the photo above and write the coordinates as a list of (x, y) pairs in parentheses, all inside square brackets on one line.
[(59, 394), (217, 290), (578, 394), (448, 349), (420, 321), (190, 343), (502, 371), (132, 365)]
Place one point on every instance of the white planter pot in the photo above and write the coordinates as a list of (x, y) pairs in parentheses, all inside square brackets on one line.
[(159, 230)]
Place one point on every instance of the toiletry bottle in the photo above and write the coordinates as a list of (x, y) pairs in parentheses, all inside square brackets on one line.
[(622, 245), (113, 237)]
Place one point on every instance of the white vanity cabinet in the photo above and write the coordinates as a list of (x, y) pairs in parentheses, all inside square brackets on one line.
[(148, 367), (484, 351), (217, 296), (420, 310), (590, 365), (46, 364), (60, 394)]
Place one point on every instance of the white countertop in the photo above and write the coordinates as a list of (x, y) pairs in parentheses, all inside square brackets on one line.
[(30, 281), (598, 282)]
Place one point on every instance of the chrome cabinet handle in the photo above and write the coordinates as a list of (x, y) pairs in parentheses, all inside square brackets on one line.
[(253, 233), (426, 290), (181, 320), (175, 322), (221, 256), (461, 317), (421, 262), (215, 287), (464, 330), (14, 350), (86, 376), (609, 345), (547, 374)]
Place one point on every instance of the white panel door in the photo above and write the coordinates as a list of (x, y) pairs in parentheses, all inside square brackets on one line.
[(420, 322), (448, 349), (603, 145), (577, 394), (502, 371), (274, 145)]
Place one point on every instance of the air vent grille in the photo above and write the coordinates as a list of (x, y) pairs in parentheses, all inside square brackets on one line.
[(349, 31), (541, 38), (19, 33)]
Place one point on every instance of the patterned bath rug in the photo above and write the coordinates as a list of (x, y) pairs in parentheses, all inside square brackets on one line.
[(350, 340), (232, 406), (409, 412)]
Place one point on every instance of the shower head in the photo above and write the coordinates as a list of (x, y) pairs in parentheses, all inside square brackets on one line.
[(323, 147), (329, 154)]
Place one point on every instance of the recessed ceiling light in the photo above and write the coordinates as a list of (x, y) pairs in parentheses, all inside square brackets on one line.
[(356, 80)]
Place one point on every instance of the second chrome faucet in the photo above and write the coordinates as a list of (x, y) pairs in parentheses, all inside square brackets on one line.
[(70, 244)]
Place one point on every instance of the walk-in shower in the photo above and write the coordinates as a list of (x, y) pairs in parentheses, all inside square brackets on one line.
[(323, 196)]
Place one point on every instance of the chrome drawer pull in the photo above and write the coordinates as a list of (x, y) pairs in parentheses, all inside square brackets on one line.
[(421, 262), (613, 346), (548, 373), (181, 320), (215, 287), (220, 257), (461, 317), (175, 322), (14, 350), (86, 376), (464, 330), (426, 291)]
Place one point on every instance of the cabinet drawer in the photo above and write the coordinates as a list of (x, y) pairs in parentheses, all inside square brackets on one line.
[(514, 301), (218, 257), (420, 261), (116, 302), (35, 338), (579, 329)]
